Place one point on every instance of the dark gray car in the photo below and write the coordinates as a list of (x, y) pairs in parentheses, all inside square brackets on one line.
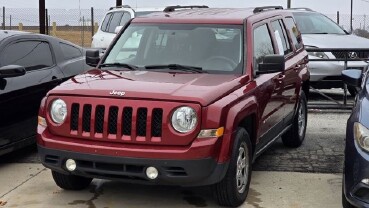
[(30, 66)]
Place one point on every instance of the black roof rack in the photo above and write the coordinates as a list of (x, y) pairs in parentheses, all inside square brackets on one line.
[(173, 8), (123, 6), (303, 8), (261, 9)]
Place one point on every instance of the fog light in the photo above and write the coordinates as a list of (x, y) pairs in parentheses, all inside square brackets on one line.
[(152, 173), (71, 165), (365, 181)]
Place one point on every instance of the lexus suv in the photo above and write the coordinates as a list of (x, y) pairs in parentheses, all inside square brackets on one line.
[(318, 31), (190, 97)]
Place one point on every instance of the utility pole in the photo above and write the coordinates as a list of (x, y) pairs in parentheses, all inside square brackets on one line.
[(42, 16), (352, 6), (288, 4), (119, 3)]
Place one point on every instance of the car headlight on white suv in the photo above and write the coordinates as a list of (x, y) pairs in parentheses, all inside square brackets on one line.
[(361, 134), (58, 111), (321, 55), (184, 119)]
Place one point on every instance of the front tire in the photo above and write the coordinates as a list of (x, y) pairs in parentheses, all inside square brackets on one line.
[(232, 190), (295, 136), (71, 182)]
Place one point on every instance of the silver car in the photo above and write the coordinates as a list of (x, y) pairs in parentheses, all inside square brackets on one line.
[(318, 31)]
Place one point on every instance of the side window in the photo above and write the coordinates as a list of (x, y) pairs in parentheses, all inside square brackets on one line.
[(295, 33), (281, 37), (32, 55), (104, 25), (125, 18), (70, 51), (115, 21), (263, 45)]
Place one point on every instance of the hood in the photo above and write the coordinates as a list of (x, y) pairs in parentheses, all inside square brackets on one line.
[(335, 41), (184, 87)]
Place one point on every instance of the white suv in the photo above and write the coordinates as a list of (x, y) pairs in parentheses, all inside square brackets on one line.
[(113, 20)]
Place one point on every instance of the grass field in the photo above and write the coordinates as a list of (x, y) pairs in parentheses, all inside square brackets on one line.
[(77, 37)]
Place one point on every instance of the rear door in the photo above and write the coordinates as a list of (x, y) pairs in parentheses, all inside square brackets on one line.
[(295, 65), (290, 76), (21, 96)]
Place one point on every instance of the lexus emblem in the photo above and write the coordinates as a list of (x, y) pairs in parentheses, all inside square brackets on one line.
[(353, 55), (117, 93)]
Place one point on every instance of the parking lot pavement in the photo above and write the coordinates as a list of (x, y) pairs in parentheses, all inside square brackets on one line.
[(284, 177), (31, 186), (321, 152)]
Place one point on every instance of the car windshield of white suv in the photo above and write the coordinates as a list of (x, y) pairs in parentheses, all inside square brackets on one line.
[(183, 47), (315, 23)]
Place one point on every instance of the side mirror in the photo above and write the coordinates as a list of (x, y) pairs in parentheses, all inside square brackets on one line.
[(118, 29), (352, 77), (12, 71), (92, 57), (271, 64)]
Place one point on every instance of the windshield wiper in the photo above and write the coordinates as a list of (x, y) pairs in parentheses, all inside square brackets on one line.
[(128, 66), (177, 67)]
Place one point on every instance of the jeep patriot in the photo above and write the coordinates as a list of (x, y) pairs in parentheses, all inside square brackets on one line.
[(189, 96)]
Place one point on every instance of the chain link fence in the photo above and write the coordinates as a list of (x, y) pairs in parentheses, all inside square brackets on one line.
[(77, 26), (73, 25)]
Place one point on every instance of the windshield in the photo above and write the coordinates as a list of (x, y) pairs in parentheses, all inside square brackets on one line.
[(315, 23), (213, 48)]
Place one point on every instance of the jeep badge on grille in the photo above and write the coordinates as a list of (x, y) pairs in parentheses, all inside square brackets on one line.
[(118, 93)]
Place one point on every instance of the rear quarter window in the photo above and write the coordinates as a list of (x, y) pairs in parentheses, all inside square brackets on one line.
[(70, 51)]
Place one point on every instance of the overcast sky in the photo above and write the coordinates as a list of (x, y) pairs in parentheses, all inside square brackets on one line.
[(325, 6)]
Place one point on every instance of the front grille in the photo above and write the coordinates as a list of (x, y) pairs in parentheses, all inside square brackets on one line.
[(117, 122), (351, 55)]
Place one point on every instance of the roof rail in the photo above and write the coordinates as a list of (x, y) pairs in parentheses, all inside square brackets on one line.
[(122, 6), (302, 8), (173, 8), (261, 9)]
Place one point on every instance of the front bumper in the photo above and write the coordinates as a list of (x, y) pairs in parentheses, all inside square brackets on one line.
[(331, 72), (171, 172)]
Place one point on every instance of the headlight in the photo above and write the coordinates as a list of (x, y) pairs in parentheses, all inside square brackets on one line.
[(321, 55), (58, 111), (184, 119), (361, 134)]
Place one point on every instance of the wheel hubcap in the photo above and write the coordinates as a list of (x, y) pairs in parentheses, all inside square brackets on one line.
[(301, 120), (242, 169)]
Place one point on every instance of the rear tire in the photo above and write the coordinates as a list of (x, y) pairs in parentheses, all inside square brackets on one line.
[(71, 182), (232, 190), (295, 136)]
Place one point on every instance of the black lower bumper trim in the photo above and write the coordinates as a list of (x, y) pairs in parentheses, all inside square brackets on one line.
[(171, 172)]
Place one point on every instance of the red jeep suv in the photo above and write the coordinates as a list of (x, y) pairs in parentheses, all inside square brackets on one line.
[(189, 96)]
